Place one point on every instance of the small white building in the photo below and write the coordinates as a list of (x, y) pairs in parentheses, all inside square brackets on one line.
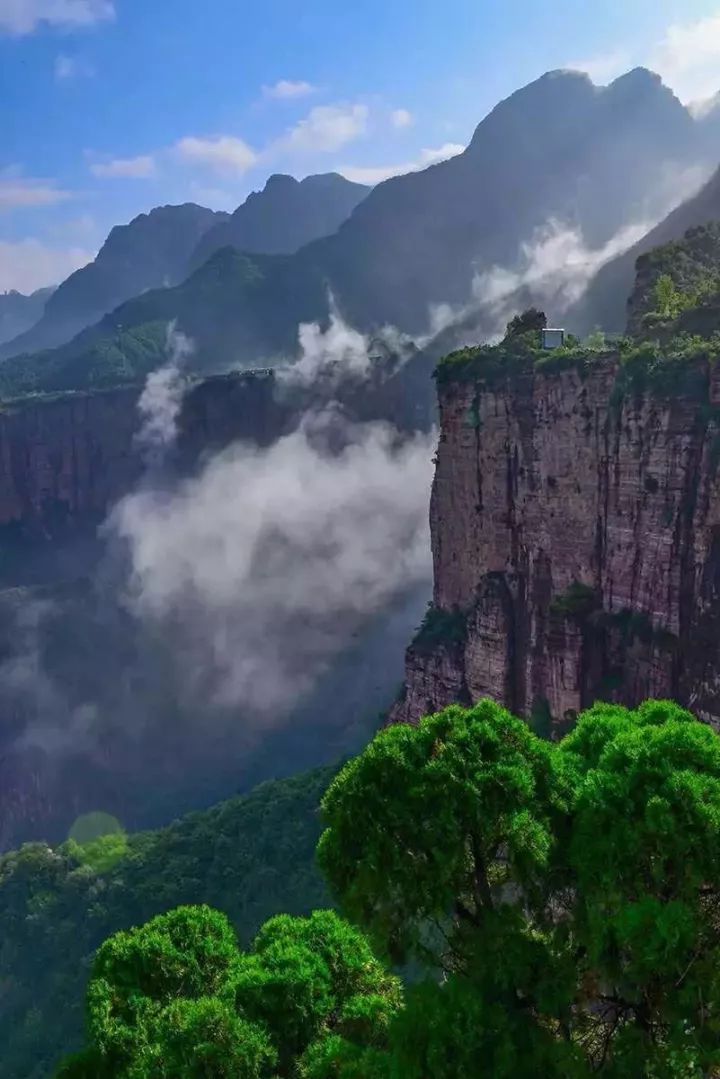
[(552, 338)]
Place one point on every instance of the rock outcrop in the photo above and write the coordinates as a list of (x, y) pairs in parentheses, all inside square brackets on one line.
[(576, 544), (65, 460)]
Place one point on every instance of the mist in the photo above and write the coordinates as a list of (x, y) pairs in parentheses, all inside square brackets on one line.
[(554, 269), (161, 399), (265, 563)]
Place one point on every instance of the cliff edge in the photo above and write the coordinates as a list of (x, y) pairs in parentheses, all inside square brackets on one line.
[(575, 519)]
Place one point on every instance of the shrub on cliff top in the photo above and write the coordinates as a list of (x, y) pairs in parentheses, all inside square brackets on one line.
[(530, 321), (520, 352)]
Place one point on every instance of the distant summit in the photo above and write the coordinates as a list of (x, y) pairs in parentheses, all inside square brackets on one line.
[(19, 312), (284, 216), (149, 252)]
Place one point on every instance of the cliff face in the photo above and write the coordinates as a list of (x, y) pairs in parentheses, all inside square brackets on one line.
[(576, 538), (64, 461)]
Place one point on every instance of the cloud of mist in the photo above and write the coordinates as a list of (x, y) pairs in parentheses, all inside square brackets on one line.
[(554, 270), (262, 565), (336, 354), (161, 400)]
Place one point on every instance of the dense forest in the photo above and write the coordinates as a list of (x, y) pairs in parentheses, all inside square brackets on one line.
[(549, 937), (250, 857)]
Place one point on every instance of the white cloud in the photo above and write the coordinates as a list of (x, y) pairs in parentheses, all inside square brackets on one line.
[(18, 191), (25, 16), (287, 88), (375, 174), (125, 168), (221, 153), (605, 67), (73, 230), (161, 400), (72, 67), (688, 58), (401, 118), (327, 128), (30, 264)]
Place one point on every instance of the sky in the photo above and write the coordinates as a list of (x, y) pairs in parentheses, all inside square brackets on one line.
[(111, 107)]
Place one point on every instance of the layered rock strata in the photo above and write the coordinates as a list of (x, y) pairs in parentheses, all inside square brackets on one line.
[(576, 545)]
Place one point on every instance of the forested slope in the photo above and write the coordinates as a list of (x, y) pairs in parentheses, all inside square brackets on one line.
[(251, 857)]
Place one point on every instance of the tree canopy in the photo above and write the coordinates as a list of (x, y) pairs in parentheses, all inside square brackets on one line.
[(561, 902), (569, 893), (177, 999)]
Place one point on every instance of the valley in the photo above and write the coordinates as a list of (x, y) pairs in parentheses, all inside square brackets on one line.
[(328, 580)]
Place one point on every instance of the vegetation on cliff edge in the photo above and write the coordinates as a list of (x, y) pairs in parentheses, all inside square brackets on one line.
[(440, 627)]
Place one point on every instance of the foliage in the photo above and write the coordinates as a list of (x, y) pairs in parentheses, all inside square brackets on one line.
[(677, 278), (579, 600), (668, 299), (519, 353), (667, 371), (99, 854), (530, 321), (250, 857), (176, 998), (440, 627), (597, 341), (569, 893), (564, 899)]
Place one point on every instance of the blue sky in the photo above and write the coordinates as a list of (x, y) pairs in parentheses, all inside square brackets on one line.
[(110, 107)]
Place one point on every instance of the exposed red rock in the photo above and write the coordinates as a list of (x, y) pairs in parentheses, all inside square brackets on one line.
[(546, 482)]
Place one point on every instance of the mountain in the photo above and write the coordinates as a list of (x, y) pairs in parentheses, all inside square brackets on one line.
[(596, 159), (284, 216), (150, 252), (605, 302), (18, 312)]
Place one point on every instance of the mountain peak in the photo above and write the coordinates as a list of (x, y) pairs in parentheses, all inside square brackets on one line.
[(280, 181), (638, 77)]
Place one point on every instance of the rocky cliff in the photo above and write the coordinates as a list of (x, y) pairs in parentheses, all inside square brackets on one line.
[(575, 521), (64, 460)]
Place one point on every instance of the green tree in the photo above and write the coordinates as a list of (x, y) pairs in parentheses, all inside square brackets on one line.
[(667, 297), (530, 321), (569, 894), (176, 999), (564, 898)]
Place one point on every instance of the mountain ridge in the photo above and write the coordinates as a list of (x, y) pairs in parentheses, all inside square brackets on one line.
[(559, 148), (284, 216)]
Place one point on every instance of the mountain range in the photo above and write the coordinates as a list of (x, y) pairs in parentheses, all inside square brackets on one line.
[(594, 160), (160, 249)]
